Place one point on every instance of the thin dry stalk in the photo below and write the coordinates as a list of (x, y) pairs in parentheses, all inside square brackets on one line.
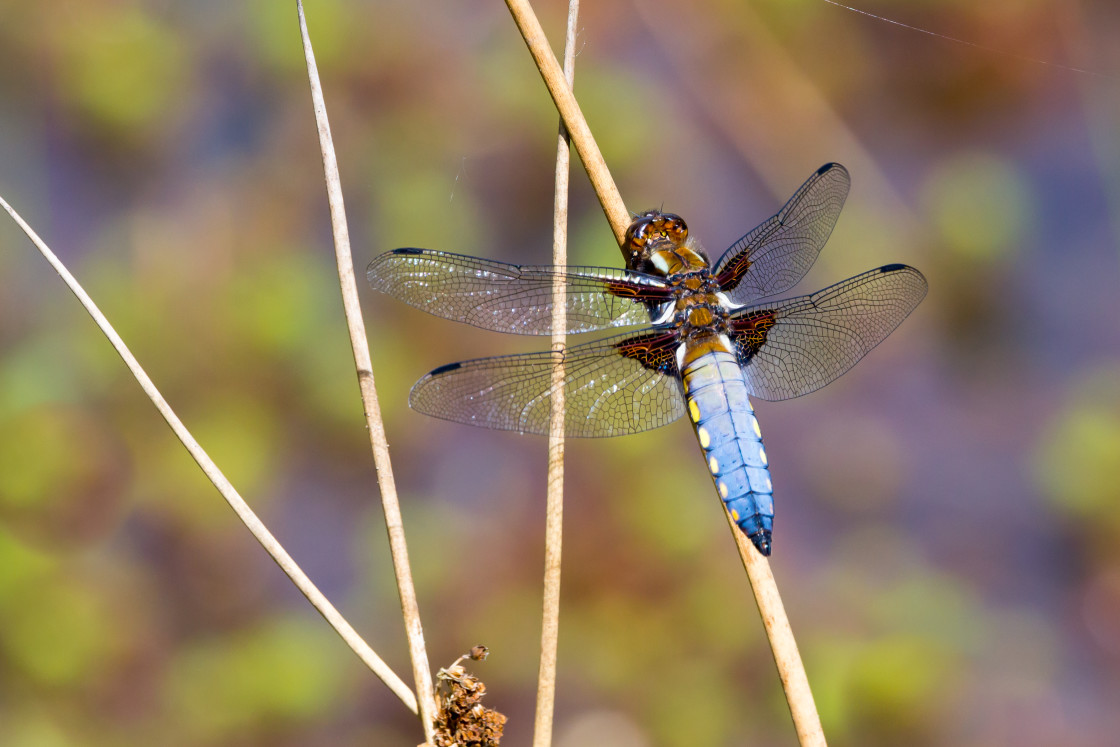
[(250, 519), (795, 682), (550, 619), (354, 322), (572, 117), (799, 696)]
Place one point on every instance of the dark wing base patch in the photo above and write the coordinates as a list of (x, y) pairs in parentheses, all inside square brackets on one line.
[(749, 333), (656, 351)]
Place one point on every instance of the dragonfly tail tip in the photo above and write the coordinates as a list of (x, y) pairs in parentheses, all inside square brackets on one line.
[(761, 540)]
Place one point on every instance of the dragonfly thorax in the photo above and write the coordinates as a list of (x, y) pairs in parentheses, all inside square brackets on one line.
[(697, 309), (699, 315)]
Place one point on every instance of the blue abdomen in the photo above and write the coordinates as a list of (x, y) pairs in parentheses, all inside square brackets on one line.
[(731, 440)]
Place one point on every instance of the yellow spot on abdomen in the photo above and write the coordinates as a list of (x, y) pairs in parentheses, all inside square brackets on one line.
[(705, 439), (734, 514), (757, 430), (713, 465), (722, 489), (694, 410)]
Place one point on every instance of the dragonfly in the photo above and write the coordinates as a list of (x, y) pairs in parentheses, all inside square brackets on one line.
[(710, 338)]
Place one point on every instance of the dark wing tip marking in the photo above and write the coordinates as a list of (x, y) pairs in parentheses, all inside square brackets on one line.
[(913, 272), (407, 250), (833, 166), (445, 369)]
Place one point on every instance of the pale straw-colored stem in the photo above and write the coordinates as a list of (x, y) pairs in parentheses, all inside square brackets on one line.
[(354, 322), (554, 520), (210, 469), (795, 683), (572, 117)]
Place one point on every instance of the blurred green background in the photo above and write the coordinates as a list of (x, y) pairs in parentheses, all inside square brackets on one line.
[(948, 530)]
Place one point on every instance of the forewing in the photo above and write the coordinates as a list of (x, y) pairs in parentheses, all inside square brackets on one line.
[(796, 346), (775, 255), (619, 385), (514, 298)]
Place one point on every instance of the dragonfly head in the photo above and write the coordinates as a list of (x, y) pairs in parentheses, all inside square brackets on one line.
[(657, 243), (655, 233)]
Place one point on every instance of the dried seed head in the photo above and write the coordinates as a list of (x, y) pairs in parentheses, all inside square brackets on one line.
[(462, 720)]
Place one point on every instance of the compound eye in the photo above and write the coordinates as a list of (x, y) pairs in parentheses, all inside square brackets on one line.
[(636, 235), (676, 229)]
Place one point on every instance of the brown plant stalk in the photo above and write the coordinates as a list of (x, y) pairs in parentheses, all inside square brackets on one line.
[(550, 618), (355, 324), (791, 671), (572, 117)]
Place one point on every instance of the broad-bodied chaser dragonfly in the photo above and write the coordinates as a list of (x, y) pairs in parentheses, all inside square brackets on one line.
[(707, 345)]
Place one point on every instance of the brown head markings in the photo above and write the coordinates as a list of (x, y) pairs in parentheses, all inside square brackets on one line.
[(649, 228)]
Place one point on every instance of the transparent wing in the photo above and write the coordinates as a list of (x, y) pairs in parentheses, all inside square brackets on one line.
[(619, 385), (796, 346), (775, 255), (514, 298)]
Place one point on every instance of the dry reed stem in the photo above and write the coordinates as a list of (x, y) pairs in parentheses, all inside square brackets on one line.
[(799, 696), (554, 521), (210, 469), (572, 117), (791, 671), (420, 668)]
